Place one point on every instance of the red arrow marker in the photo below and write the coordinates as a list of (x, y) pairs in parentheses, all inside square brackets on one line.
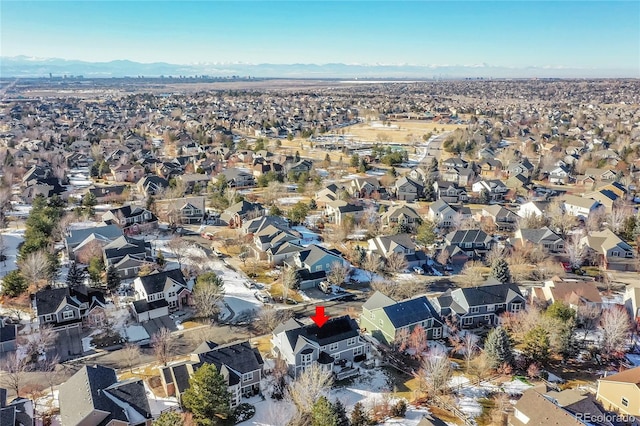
[(319, 318)]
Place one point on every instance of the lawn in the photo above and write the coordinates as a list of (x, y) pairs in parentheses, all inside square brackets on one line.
[(403, 131)]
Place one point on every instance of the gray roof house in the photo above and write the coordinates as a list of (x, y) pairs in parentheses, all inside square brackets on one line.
[(93, 396), (77, 237), (407, 189), (66, 307), (239, 363), (479, 306), (127, 255), (473, 243), (236, 214), (398, 243), (19, 412), (159, 293), (336, 346), (544, 237), (401, 215), (382, 317), (8, 336), (313, 263)]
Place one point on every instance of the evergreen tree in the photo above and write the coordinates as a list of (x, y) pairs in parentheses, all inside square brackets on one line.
[(296, 157), (363, 166), (359, 416), (96, 267), (500, 271), (112, 278), (354, 161), (343, 420), (169, 418), (14, 284), (429, 192), (208, 397), (76, 275), (484, 197), (498, 347), (323, 413), (399, 409), (536, 345), (426, 233), (89, 201), (160, 258), (275, 211)]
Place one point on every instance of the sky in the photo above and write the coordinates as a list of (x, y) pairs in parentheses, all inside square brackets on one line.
[(569, 34)]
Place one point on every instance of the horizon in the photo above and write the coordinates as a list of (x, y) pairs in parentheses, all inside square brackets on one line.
[(591, 38)]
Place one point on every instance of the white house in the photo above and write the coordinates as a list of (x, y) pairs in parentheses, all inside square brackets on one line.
[(580, 207)]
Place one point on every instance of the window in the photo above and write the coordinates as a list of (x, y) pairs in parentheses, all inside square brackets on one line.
[(172, 294), (474, 309), (515, 307), (491, 308), (468, 245), (48, 318), (615, 253), (333, 347), (247, 376), (380, 322), (67, 315), (488, 317), (625, 402), (351, 341), (336, 356), (319, 268), (468, 320), (358, 351), (437, 332), (306, 359)]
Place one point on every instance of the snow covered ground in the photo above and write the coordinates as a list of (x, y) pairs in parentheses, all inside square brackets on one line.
[(287, 201), (468, 395), (308, 237), (10, 242)]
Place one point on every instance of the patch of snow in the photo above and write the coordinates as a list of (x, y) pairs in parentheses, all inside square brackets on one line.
[(11, 240), (135, 333), (290, 200)]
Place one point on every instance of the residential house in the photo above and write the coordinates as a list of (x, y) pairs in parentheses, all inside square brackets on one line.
[(336, 346), (517, 181), (479, 306), (458, 175), (160, 293), (533, 208), (19, 412), (127, 172), (559, 175), (401, 216), (236, 214), (495, 189), (152, 185), (611, 249), (338, 211), (571, 293), (193, 181), (270, 237), (632, 303), (581, 207), (454, 162), (313, 263), (239, 364), (127, 255), (534, 408), (503, 218), (600, 175), (522, 167), (237, 178), (364, 187), (544, 237), (132, 219), (79, 237), (94, 397), (470, 244), (108, 194), (8, 335), (251, 226), (450, 192), (301, 166), (185, 211), (65, 307), (328, 194), (608, 194), (383, 318), (407, 189), (386, 246), (620, 392), (490, 168), (445, 215)]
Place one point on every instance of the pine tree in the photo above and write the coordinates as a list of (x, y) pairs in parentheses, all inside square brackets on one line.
[(208, 397), (429, 192), (323, 413), (169, 418), (76, 275), (500, 271), (14, 284), (343, 420), (536, 345), (359, 416), (498, 347), (113, 279)]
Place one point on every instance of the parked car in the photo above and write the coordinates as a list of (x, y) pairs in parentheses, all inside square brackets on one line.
[(264, 298), (448, 268), (325, 287), (418, 270)]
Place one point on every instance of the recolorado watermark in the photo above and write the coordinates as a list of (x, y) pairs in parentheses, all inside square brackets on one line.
[(606, 417)]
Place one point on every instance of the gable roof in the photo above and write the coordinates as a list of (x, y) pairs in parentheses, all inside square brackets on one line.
[(631, 376), (541, 411), (156, 283), (409, 311), (109, 232), (240, 357), (334, 330), (535, 235), (378, 300)]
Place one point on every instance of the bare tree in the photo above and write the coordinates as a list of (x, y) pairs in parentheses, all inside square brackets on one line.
[(443, 257), (418, 341), (595, 220), (290, 278), (206, 299), (35, 267), (14, 369), (44, 339), (179, 247), (50, 370), (269, 318), (588, 318), (312, 383), (616, 327), (162, 344), (401, 341), (575, 251), (338, 273), (620, 212), (131, 353), (472, 273), (396, 262), (435, 373), (469, 348), (372, 264)]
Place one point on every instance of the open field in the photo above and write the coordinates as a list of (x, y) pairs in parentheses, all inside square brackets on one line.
[(398, 131)]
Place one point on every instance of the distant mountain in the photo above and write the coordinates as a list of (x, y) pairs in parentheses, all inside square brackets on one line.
[(23, 66)]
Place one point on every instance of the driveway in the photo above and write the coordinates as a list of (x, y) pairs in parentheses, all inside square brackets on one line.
[(68, 344)]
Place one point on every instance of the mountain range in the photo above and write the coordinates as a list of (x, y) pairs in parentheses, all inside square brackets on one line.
[(23, 66)]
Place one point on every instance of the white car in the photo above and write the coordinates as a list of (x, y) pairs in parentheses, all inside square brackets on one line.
[(418, 270), (264, 298)]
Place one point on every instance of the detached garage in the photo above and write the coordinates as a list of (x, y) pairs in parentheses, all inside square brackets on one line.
[(145, 311)]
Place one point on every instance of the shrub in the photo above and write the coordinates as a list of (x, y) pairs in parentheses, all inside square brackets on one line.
[(243, 412)]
